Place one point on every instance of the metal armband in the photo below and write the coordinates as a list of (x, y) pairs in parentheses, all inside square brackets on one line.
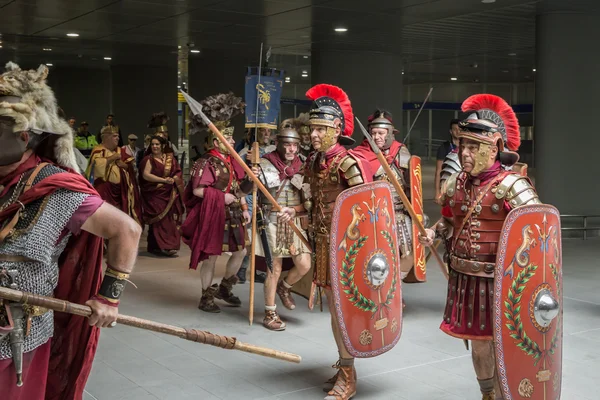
[(112, 287)]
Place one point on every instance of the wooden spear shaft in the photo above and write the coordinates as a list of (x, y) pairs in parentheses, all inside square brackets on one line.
[(254, 159), (194, 335), (257, 182), (400, 191)]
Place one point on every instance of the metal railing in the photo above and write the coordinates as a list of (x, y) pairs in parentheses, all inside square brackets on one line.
[(585, 227)]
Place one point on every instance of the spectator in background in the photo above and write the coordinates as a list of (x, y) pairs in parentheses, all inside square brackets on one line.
[(84, 140), (110, 123), (443, 151), (72, 123)]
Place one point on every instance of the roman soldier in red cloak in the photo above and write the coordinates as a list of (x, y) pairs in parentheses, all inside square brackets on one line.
[(329, 170), (477, 201), (216, 204), (52, 222), (382, 130)]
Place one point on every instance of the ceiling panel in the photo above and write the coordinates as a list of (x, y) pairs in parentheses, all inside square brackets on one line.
[(436, 38)]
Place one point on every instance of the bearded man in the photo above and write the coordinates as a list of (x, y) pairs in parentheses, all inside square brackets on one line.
[(52, 222)]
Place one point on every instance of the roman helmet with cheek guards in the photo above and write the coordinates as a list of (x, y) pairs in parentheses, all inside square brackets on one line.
[(331, 108), (491, 122)]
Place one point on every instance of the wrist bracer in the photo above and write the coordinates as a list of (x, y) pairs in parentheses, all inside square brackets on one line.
[(112, 287)]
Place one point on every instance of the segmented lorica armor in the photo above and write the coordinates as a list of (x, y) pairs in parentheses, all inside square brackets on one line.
[(477, 242), (325, 186)]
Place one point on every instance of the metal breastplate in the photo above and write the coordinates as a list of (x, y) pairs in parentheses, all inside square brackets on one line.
[(222, 174), (325, 186), (36, 237), (286, 193), (478, 240)]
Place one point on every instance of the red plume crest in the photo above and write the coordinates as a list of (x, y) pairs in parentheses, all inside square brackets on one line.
[(503, 109), (337, 94)]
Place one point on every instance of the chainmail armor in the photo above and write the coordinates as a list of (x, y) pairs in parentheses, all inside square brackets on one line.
[(37, 237)]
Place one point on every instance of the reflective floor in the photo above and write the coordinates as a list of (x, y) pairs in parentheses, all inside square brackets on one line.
[(426, 364)]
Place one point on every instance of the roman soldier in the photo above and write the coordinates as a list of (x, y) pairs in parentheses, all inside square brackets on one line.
[(476, 203), (382, 129), (304, 131), (216, 205), (49, 218), (279, 171), (329, 170)]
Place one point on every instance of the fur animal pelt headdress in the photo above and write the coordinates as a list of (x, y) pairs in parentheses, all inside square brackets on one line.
[(220, 109), (26, 98)]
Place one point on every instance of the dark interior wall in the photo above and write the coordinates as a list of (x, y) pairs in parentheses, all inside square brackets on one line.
[(82, 93), (131, 93), (218, 73), (139, 91)]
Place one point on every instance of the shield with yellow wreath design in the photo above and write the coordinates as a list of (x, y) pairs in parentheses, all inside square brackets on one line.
[(528, 304), (365, 269)]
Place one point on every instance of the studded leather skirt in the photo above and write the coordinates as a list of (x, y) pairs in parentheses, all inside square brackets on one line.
[(468, 312)]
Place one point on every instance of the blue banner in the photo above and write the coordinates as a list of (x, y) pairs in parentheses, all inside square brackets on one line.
[(268, 94)]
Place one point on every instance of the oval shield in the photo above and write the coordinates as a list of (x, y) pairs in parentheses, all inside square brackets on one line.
[(365, 269), (416, 199), (528, 304)]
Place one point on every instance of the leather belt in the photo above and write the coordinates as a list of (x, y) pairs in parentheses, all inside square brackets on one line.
[(11, 258), (472, 267)]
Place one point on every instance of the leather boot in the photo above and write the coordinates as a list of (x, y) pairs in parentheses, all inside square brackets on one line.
[(224, 293), (487, 389), (207, 302), (345, 385), (329, 383), (285, 295), (273, 322), (241, 275)]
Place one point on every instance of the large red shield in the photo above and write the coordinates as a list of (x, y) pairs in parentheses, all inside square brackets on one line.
[(528, 304), (365, 269), (416, 199)]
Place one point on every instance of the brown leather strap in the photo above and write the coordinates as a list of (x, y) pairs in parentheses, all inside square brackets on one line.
[(13, 221), (11, 258), (472, 267), (475, 204)]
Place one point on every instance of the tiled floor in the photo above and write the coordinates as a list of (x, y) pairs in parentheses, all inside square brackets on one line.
[(426, 364)]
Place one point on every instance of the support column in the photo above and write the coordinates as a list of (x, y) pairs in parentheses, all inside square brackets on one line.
[(567, 103), (371, 80)]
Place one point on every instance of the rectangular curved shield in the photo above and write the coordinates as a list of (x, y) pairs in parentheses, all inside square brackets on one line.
[(416, 199), (365, 269), (528, 304)]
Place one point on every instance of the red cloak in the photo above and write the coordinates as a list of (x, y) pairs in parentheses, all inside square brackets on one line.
[(365, 152), (204, 226), (80, 272)]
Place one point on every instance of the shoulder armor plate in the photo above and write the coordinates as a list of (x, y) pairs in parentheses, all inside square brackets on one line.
[(403, 157), (346, 163), (269, 175), (449, 186), (517, 190)]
